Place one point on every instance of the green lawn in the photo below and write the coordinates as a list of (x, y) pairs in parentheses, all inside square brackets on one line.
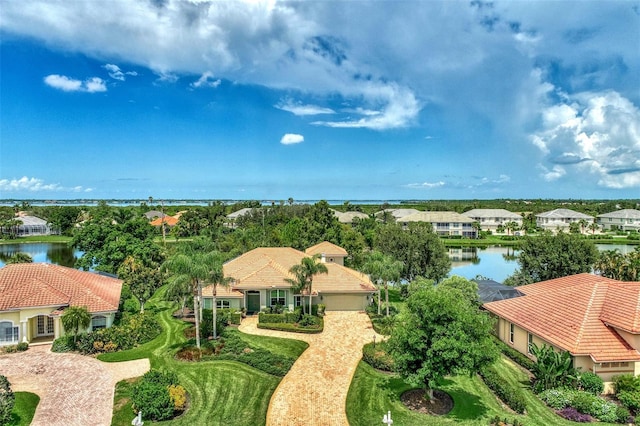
[(373, 393), (24, 408), (38, 239), (219, 390)]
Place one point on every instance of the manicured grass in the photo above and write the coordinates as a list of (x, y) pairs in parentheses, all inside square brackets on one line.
[(24, 408), (38, 239), (219, 391), (373, 393)]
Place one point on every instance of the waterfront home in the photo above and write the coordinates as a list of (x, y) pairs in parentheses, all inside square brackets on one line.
[(492, 219), (624, 220), (594, 318), (444, 223), (259, 281), (561, 220), (33, 296)]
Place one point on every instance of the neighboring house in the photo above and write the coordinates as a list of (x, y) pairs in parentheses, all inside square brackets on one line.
[(625, 220), (595, 319), (328, 252), (348, 217), (168, 221), (33, 296), (444, 223), (560, 219), (153, 214), (491, 219), (233, 217), (396, 213), (260, 282), (491, 291), (32, 225)]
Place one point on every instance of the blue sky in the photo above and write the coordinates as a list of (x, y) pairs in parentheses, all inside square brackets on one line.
[(319, 99)]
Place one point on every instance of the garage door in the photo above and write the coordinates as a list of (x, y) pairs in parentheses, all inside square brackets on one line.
[(344, 302)]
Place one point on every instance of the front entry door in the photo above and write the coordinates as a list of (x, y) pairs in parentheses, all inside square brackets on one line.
[(44, 326), (253, 301)]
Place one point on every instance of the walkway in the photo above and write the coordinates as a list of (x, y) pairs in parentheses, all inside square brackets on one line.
[(314, 392), (73, 389)]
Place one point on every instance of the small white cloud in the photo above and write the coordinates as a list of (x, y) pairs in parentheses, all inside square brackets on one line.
[(291, 138), (206, 80), (36, 185), (426, 185), (114, 72), (66, 84), (303, 110)]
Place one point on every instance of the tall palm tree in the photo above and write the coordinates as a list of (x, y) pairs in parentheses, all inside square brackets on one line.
[(216, 278), (298, 284), (76, 318), (373, 267), (306, 270), (383, 269)]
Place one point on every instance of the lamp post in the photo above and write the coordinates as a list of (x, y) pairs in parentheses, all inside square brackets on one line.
[(387, 419)]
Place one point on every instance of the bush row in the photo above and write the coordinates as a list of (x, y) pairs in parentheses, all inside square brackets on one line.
[(7, 401), (376, 355), (158, 395), (511, 395), (20, 347), (295, 328), (514, 355), (585, 403)]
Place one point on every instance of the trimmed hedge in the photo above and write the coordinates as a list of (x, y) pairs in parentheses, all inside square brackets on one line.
[(512, 396), (271, 318), (295, 328), (377, 356), (514, 355)]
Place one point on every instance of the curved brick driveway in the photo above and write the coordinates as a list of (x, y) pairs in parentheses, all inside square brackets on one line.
[(73, 389), (314, 392)]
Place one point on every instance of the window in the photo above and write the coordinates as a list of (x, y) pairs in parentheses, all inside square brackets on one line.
[(529, 343), (278, 297), (98, 322), (222, 304), (511, 332), (297, 300), (9, 333)]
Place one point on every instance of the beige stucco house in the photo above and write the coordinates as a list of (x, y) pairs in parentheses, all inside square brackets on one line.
[(625, 220), (444, 223), (561, 219), (33, 296), (491, 219), (260, 281), (595, 319)]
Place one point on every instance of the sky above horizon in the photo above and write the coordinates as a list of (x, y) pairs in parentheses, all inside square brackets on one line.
[(345, 100)]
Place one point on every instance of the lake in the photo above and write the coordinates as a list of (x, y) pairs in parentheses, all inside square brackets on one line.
[(58, 253)]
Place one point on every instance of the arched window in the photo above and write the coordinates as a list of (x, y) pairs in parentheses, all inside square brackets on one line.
[(98, 322), (9, 334)]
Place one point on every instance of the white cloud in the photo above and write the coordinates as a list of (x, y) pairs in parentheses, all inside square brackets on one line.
[(206, 80), (291, 138), (66, 84), (303, 110), (425, 185), (27, 184), (591, 135), (116, 73)]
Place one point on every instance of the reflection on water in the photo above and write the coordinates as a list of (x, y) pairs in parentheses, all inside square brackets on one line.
[(495, 263), (58, 253)]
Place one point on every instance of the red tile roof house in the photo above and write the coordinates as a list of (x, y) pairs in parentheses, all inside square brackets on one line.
[(33, 296), (596, 319), (260, 281)]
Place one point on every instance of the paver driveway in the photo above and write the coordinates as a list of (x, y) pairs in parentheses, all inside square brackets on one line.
[(73, 389), (314, 392)]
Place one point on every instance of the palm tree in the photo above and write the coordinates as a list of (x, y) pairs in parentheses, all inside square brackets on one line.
[(583, 224), (593, 227), (306, 270), (216, 278), (384, 269), (76, 318), (298, 284), (373, 267)]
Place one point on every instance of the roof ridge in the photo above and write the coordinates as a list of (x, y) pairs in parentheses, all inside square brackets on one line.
[(587, 312)]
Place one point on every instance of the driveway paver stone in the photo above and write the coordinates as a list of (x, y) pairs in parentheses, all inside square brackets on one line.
[(73, 389), (314, 392)]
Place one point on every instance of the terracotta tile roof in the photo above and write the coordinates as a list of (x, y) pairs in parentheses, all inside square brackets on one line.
[(267, 267), (169, 220), (25, 285), (622, 306), (570, 313), (326, 248), (224, 292)]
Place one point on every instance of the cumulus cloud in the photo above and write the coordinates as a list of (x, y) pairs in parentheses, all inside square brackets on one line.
[(66, 84), (591, 134), (206, 80), (291, 138), (27, 184)]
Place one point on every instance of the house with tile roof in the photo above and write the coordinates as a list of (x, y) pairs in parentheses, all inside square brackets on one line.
[(328, 252), (260, 281), (560, 219), (349, 217), (595, 319), (444, 223), (491, 219), (625, 220), (33, 296)]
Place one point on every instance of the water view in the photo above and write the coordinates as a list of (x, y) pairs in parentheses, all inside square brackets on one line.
[(58, 253)]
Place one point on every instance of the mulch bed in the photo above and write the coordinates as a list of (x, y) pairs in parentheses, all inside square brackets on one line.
[(440, 405)]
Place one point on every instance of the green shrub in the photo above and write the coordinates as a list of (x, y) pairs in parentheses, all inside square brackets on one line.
[(63, 344), (22, 346), (162, 378), (7, 400), (623, 415), (512, 396), (557, 398), (206, 325), (595, 406), (131, 306), (293, 317), (271, 318), (514, 355), (308, 320), (626, 382), (153, 400), (590, 382), (295, 328), (630, 399), (377, 356)]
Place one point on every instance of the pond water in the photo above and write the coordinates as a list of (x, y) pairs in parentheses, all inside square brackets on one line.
[(58, 253)]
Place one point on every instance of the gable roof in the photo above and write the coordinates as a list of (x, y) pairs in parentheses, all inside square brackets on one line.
[(169, 220), (398, 213), (578, 314), (326, 248), (268, 267), (348, 217), (241, 212), (30, 285)]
